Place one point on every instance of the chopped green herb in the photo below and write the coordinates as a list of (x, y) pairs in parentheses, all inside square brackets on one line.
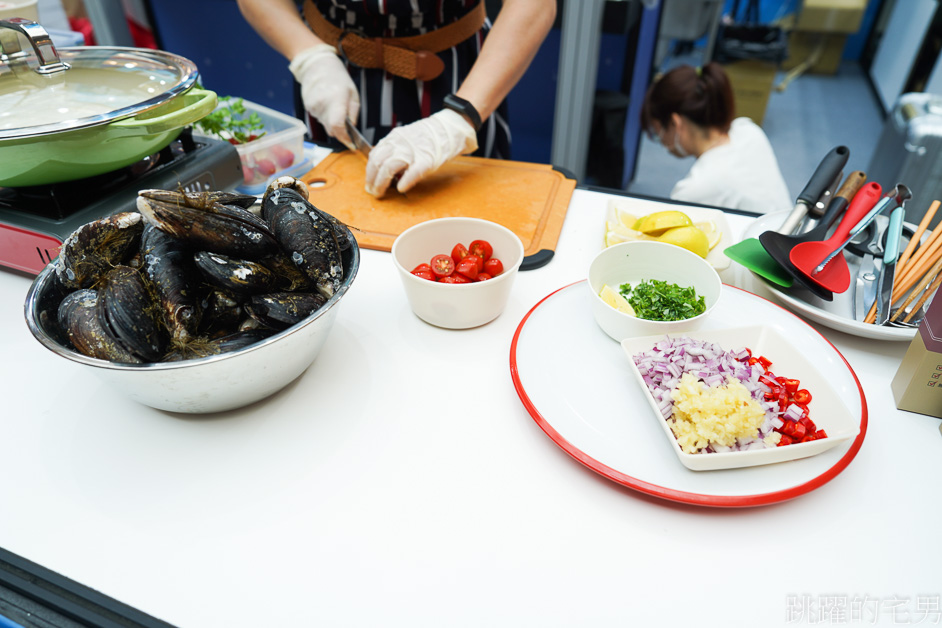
[(657, 300), (231, 123)]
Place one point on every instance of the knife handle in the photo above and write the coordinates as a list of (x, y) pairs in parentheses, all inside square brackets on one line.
[(894, 231), (826, 172), (845, 194)]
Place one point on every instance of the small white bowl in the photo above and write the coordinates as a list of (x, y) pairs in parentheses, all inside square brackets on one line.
[(456, 306), (828, 408), (632, 262)]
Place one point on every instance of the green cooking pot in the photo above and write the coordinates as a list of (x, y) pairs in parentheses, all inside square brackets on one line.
[(83, 111), (81, 153)]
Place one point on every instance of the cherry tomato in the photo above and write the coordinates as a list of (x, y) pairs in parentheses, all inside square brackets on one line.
[(802, 396), (455, 278), (458, 253), (468, 267), (493, 267), (265, 167), (442, 265), (284, 157), (477, 261), (481, 248), (420, 268), (483, 277), (424, 274)]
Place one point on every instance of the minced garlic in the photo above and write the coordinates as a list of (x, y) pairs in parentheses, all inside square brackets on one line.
[(718, 415)]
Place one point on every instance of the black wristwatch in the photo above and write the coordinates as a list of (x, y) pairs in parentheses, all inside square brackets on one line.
[(462, 106)]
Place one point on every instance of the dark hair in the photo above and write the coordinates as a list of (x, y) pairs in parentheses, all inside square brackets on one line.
[(703, 96)]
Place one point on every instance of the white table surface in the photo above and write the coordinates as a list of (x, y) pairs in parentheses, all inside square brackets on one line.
[(400, 482)]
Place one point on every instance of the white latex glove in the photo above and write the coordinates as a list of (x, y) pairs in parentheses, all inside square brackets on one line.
[(416, 149), (327, 90)]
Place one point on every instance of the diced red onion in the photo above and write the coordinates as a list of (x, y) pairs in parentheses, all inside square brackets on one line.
[(662, 366)]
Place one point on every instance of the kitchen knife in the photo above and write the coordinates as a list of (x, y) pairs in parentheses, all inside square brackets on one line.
[(887, 273)]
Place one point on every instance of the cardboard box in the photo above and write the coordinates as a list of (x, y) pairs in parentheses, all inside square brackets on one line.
[(752, 84), (917, 385), (824, 49), (831, 16)]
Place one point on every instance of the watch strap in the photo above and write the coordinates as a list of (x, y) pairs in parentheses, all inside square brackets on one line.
[(464, 107)]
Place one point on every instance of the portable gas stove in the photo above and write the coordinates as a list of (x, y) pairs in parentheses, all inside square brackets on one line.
[(34, 221)]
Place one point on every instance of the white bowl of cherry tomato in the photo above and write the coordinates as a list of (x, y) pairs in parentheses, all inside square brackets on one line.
[(457, 272)]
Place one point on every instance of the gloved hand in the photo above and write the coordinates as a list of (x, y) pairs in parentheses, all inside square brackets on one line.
[(327, 90), (416, 149)]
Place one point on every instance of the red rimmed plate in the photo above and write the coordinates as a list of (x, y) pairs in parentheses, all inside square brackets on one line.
[(576, 383)]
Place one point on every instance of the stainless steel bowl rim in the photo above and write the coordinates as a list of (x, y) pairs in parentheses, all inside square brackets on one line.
[(81, 56), (34, 326)]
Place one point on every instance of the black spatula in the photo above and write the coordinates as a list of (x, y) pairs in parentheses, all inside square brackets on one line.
[(749, 252), (779, 245)]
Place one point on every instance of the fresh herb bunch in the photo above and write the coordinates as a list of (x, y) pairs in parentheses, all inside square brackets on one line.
[(231, 123), (657, 300)]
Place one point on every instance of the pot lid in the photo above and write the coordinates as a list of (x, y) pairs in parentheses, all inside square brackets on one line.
[(102, 84)]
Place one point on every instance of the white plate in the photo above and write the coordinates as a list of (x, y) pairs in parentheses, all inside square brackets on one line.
[(577, 385), (837, 314), (640, 207), (827, 409)]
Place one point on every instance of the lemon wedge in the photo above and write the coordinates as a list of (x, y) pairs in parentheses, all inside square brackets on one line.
[(689, 237), (659, 222), (712, 232), (619, 213), (613, 298)]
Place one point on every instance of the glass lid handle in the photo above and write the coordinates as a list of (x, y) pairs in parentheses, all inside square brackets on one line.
[(12, 54)]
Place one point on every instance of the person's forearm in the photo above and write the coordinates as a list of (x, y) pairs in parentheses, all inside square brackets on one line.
[(509, 48), (279, 24)]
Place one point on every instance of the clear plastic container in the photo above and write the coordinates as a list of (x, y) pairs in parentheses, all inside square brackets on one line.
[(279, 151)]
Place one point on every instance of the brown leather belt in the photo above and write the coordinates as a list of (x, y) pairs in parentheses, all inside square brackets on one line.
[(409, 57)]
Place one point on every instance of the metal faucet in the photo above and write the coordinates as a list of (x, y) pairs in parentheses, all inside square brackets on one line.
[(12, 54)]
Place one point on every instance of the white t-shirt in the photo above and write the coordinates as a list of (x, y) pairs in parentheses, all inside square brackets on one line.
[(741, 174)]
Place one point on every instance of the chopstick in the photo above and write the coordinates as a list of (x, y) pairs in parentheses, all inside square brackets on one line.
[(914, 241), (925, 295), (918, 261), (926, 280)]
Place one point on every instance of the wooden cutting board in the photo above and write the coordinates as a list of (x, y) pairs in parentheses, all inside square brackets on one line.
[(529, 199)]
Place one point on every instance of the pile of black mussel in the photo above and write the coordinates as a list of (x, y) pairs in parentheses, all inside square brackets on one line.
[(196, 274)]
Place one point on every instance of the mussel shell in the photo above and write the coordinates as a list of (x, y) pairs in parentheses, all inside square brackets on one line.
[(225, 344), (235, 275), (281, 310), (221, 229), (126, 311), (288, 276), (78, 315), (169, 267), (307, 238), (222, 313), (95, 247), (200, 200)]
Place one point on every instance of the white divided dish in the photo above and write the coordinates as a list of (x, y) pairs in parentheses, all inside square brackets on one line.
[(827, 409)]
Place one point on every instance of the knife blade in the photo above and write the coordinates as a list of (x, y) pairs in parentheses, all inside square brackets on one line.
[(360, 143), (887, 273)]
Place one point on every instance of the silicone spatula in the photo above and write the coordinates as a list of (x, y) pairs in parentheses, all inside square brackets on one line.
[(807, 255), (750, 254), (779, 245)]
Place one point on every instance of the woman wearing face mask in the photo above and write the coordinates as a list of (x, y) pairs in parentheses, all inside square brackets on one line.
[(690, 111)]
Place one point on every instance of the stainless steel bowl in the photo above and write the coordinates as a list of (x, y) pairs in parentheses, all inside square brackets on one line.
[(211, 384)]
